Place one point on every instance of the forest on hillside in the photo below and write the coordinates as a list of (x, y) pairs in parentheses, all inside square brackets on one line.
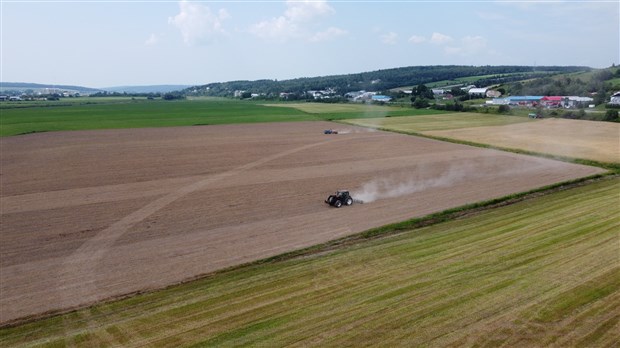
[(382, 80)]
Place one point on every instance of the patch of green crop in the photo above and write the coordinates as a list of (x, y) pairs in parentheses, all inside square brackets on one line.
[(79, 114), (142, 113)]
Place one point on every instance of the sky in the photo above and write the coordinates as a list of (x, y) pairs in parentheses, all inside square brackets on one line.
[(106, 43)]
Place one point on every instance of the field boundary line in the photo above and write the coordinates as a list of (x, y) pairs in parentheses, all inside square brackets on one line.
[(614, 168)]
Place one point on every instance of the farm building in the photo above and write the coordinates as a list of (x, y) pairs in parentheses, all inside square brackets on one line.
[(360, 96), (478, 91), (553, 101), (516, 100), (499, 101), (574, 102), (565, 102), (381, 98), (615, 99), (548, 101)]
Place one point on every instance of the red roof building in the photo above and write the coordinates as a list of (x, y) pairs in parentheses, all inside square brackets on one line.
[(550, 101)]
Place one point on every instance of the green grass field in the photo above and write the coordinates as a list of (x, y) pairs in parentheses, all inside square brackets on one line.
[(424, 123), (6, 105), (102, 113), (341, 111), (142, 113), (541, 272)]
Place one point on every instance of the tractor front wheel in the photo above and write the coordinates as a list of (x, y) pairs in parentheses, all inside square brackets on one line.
[(338, 204)]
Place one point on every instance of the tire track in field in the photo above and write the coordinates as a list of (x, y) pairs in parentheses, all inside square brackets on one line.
[(77, 278)]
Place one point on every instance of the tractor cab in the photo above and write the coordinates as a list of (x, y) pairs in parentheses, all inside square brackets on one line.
[(342, 193), (339, 198)]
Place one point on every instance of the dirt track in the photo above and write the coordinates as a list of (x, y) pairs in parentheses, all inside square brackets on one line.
[(93, 214)]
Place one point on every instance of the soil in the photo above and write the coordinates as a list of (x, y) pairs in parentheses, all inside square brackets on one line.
[(91, 215)]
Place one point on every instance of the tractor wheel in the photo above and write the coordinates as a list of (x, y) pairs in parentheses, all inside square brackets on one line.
[(349, 201), (338, 204)]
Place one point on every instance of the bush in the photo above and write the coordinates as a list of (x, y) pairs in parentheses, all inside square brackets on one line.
[(611, 115), (569, 114), (503, 109), (173, 96), (420, 103), (581, 113)]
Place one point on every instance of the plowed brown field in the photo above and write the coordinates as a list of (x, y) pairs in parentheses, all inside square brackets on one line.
[(90, 215)]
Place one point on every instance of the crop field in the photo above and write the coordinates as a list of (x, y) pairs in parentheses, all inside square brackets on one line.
[(320, 108), (90, 215), (424, 123), (141, 113), (597, 141), (338, 111), (542, 272), (117, 113)]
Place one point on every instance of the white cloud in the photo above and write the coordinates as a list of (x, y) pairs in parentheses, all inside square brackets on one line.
[(295, 21), (474, 43), (467, 46), (415, 39), (470, 45), (152, 40), (280, 29), (304, 11), (390, 38), (329, 34), (198, 24), (440, 39)]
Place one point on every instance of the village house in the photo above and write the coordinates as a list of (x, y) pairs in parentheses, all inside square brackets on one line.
[(615, 99)]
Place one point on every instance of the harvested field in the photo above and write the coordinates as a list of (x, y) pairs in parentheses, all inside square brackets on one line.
[(598, 141), (89, 215), (424, 123), (590, 140)]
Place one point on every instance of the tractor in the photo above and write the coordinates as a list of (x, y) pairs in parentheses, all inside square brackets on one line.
[(339, 198)]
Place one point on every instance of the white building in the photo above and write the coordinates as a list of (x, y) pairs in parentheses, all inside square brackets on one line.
[(615, 99), (478, 91)]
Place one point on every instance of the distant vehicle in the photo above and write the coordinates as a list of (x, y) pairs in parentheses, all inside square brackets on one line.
[(340, 198), (533, 115), (330, 131)]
